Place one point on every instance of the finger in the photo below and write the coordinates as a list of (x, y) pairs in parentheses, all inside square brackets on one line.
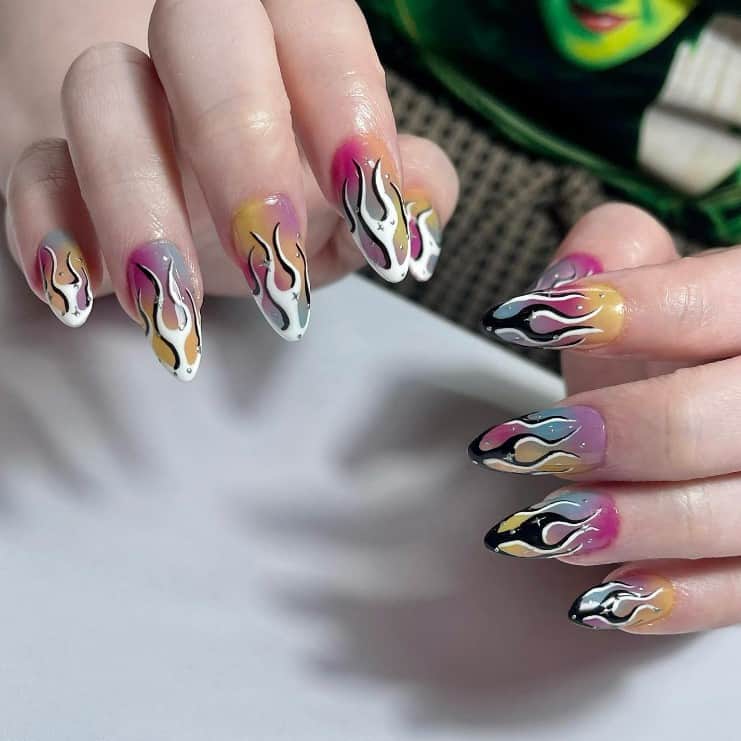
[(233, 122), (611, 237), (344, 120), (606, 523), (664, 597), (674, 427), (684, 310), (117, 124), (50, 222), (431, 180)]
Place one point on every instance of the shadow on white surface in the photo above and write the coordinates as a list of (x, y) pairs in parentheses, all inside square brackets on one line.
[(288, 548), (466, 638)]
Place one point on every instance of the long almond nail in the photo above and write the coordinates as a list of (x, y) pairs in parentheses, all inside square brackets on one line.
[(267, 241), (563, 440), (577, 316), (65, 278), (163, 292), (368, 187), (630, 601), (568, 269), (425, 235), (568, 524)]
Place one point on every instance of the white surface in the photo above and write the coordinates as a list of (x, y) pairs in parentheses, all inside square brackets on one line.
[(290, 546)]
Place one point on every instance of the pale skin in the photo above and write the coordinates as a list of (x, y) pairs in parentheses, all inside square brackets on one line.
[(86, 145)]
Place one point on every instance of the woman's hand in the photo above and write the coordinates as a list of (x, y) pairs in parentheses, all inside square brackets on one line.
[(650, 435), (254, 137)]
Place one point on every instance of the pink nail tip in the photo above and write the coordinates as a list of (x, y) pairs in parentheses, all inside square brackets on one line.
[(573, 523)]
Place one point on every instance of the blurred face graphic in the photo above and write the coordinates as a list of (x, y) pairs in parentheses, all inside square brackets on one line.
[(604, 33)]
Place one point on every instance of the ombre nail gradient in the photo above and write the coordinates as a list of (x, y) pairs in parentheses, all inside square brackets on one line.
[(630, 601), (568, 269), (425, 235), (367, 183), (562, 440), (571, 523), (267, 243), (163, 292), (570, 317), (65, 278)]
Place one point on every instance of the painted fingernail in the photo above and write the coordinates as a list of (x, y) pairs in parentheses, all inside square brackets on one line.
[(586, 316), (568, 524), (163, 291), (568, 269), (368, 184), (631, 601), (65, 278), (267, 241), (425, 235), (563, 440)]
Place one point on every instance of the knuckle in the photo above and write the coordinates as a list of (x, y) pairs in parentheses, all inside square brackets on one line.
[(681, 442), (695, 520), (95, 59), (688, 301), (239, 117), (44, 165)]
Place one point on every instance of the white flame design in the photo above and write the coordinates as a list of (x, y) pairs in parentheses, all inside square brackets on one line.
[(423, 267), (292, 325), (366, 229), (188, 321), (73, 316), (622, 605)]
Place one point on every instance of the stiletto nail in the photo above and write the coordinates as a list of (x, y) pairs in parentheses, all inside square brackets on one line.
[(425, 235), (568, 269), (563, 440), (571, 523), (367, 184), (163, 291), (630, 601), (570, 317), (65, 278), (267, 241)]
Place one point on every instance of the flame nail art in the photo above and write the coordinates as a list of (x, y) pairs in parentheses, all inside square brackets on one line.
[(162, 288), (568, 269), (267, 242), (632, 601), (65, 278), (563, 440), (566, 318), (425, 235), (368, 187), (570, 523)]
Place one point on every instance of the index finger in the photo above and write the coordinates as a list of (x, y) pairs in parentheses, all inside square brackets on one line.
[(683, 310)]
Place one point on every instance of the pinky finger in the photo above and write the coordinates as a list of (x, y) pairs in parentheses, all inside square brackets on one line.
[(664, 597), (48, 217)]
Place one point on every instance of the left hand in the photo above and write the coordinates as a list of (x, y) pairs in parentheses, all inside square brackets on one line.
[(654, 416)]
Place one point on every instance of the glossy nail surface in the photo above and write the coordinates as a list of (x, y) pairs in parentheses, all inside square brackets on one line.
[(163, 292), (577, 316), (568, 524), (568, 269), (632, 601), (65, 278), (563, 440), (425, 235), (367, 183), (267, 242)]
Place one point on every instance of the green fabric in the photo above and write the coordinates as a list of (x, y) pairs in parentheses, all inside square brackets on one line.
[(500, 60)]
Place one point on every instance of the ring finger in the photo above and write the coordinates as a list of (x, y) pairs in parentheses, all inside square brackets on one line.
[(118, 129), (611, 523)]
